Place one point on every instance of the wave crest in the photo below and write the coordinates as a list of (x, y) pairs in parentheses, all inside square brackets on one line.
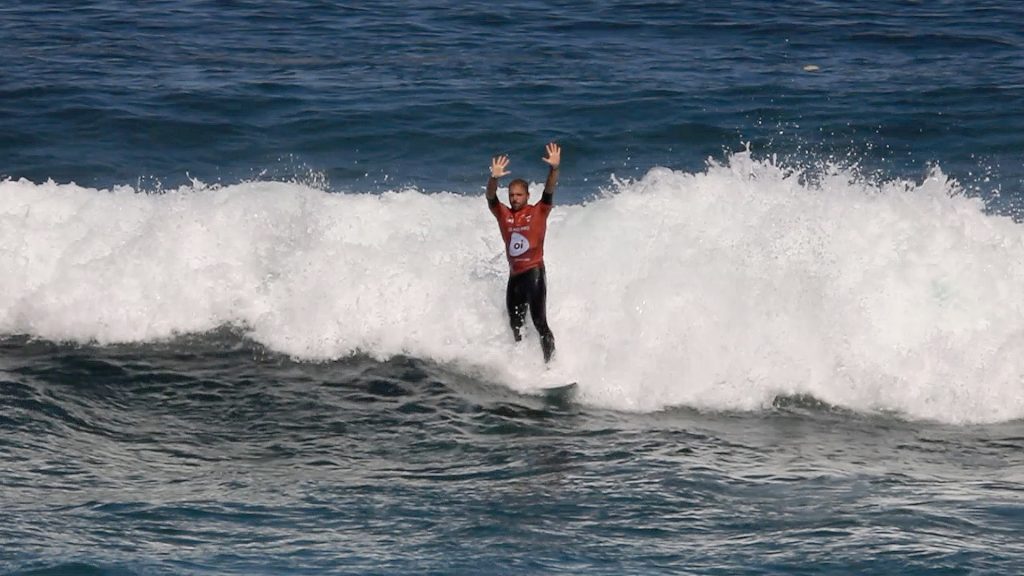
[(721, 289)]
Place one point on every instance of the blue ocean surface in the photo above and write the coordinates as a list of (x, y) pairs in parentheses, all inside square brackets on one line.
[(252, 315)]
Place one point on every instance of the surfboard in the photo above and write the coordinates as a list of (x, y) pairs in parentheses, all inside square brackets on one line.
[(558, 391)]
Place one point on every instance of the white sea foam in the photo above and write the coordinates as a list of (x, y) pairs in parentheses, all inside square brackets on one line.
[(718, 290)]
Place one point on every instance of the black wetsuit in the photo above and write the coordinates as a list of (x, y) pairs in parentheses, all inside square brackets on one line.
[(530, 289)]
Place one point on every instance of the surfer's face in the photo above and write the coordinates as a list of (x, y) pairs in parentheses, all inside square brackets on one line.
[(517, 197)]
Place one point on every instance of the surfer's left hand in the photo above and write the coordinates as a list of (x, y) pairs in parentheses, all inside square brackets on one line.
[(554, 155)]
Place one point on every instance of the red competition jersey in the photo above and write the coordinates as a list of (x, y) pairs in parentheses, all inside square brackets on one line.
[(523, 232)]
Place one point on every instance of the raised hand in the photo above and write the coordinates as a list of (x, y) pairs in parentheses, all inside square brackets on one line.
[(554, 155), (499, 165)]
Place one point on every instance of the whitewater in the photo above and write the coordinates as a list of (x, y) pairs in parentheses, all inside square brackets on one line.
[(720, 290)]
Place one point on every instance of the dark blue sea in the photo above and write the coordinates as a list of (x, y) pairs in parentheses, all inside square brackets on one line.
[(252, 302)]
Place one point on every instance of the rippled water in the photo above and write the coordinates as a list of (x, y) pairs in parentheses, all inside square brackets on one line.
[(212, 456), (375, 96)]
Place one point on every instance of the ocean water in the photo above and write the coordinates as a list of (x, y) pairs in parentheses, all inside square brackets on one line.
[(252, 301)]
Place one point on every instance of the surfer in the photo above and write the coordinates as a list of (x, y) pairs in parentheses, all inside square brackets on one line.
[(523, 226)]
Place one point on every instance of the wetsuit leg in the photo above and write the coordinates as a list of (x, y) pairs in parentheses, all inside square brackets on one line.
[(538, 297), (515, 303)]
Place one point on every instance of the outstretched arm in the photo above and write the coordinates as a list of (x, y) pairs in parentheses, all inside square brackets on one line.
[(499, 165), (554, 159)]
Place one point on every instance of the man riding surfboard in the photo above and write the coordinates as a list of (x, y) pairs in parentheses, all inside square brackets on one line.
[(523, 226)]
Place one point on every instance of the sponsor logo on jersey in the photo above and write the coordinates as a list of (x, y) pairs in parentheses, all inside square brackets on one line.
[(518, 245)]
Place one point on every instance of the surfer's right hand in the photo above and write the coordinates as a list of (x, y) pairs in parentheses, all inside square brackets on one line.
[(499, 165)]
